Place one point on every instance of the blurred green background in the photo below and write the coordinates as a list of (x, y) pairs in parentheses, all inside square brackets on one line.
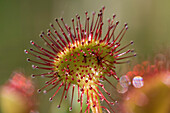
[(23, 20)]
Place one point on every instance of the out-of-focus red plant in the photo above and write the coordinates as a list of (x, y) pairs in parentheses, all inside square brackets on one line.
[(17, 95), (154, 94), (145, 70)]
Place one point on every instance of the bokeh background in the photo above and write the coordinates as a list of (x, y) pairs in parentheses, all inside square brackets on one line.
[(23, 20)]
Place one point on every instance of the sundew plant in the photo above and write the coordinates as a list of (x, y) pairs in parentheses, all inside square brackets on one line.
[(81, 56)]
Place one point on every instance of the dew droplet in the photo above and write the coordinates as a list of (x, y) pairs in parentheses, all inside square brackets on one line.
[(138, 82), (50, 99), (58, 106), (101, 99), (28, 60), (121, 89), (33, 66), (26, 52), (70, 109), (44, 91), (32, 43), (33, 76), (112, 103), (42, 76), (39, 90), (124, 81), (116, 102)]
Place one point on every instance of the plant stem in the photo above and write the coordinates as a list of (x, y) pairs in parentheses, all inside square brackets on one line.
[(93, 101)]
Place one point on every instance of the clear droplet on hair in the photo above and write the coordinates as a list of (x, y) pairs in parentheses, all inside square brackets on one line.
[(70, 109), (44, 91), (58, 106), (33, 76), (26, 52), (42, 76), (50, 99), (39, 90)]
